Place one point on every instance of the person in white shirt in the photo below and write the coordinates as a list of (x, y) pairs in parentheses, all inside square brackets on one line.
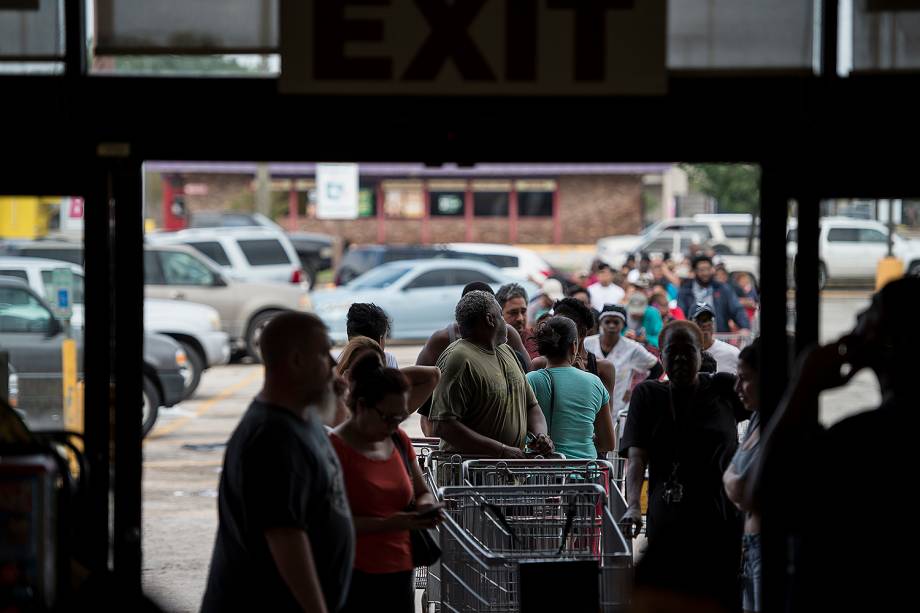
[(629, 357), (726, 355), (605, 292)]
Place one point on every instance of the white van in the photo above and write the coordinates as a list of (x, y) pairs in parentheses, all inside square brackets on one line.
[(243, 254)]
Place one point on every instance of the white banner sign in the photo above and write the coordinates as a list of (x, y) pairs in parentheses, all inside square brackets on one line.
[(336, 191), (474, 47)]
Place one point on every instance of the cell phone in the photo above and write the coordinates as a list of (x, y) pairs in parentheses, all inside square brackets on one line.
[(431, 512)]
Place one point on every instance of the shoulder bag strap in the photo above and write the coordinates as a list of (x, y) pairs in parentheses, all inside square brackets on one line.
[(404, 454), (552, 401)]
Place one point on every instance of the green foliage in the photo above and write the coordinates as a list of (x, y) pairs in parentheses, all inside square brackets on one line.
[(179, 64), (735, 187)]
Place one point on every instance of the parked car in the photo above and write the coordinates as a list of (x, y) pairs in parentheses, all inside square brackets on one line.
[(849, 249), (227, 219), (673, 243), (177, 272), (244, 254), (362, 258), (33, 338), (726, 233), (51, 249), (315, 252), (196, 327), (515, 261), (418, 295)]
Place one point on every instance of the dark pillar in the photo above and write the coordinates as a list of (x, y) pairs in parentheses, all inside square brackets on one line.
[(807, 294), (128, 270), (774, 375), (97, 359)]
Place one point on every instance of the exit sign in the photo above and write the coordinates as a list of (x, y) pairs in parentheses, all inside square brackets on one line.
[(474, 47)]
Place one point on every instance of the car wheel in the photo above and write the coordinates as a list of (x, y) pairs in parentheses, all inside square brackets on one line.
[(822, 275), (256, 326), (151, 406), (191, 374), (914, 269)]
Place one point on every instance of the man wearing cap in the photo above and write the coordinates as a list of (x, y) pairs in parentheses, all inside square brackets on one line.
[(722, 298), (726, 355), (630, 359), (605, 291), (643, 322)]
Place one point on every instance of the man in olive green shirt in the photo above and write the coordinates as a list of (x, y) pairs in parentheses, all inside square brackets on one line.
[(483, 403)]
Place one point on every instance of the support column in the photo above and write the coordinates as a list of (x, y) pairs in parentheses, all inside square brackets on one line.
[(807, 293), (426, 214), (513, 215), (126, 194), (292, 208), (774, 376), (93, 537), (557, 220), (468, 212), (381, 216)]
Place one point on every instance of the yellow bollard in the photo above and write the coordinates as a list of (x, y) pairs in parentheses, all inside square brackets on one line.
[(73, 397), (888, 269)]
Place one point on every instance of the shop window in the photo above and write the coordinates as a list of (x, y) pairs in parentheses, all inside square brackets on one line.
[(367, 202), (404, 199), (446, 204), (490, 204), (535, 204)]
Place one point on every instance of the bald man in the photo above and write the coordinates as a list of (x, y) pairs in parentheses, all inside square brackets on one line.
[(442, 339), (285, 540)]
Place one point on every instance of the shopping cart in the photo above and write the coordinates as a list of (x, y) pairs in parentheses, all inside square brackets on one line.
[(424, 447), (548, 472), (490, 530), (441, 468)]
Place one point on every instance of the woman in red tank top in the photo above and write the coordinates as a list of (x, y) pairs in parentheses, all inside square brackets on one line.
[(380, 490)]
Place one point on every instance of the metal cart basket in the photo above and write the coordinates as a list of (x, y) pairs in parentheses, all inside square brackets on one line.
[(490, 530)]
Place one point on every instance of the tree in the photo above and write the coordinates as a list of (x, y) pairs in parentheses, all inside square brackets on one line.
[(735, 187)]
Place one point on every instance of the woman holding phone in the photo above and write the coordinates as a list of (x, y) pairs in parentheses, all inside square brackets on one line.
[(385, 487)]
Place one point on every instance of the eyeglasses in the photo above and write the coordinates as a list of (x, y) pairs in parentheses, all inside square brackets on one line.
[(390, 418)]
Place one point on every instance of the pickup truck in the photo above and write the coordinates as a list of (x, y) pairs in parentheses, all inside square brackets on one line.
[(849, 250)]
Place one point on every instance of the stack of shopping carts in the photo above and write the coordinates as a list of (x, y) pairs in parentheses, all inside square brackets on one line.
[(501, 514)]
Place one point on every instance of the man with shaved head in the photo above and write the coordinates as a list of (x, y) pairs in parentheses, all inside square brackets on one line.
[(285, 540)]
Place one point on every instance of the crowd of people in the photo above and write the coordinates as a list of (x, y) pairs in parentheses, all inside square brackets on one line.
[(321, 491)]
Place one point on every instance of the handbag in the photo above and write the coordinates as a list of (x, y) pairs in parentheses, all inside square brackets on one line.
[(425, 549)]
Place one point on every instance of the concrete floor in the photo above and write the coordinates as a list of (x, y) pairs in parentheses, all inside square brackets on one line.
[(183, 455)]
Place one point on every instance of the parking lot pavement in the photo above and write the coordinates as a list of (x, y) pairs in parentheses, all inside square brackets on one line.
[(184, 452)]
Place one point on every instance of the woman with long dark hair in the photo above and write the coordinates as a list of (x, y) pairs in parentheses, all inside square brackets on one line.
[(385, 487), (575, 402)]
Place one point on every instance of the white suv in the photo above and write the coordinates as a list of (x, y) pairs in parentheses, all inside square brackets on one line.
[(243, 254), (850, 249), (727, 233)]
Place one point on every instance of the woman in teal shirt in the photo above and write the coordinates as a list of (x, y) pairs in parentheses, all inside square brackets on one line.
[(575, 403)]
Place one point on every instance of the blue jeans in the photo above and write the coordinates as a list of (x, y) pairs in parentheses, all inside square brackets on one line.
[(750, 572)]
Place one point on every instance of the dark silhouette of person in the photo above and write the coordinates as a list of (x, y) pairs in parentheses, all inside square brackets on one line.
[(842, 496)]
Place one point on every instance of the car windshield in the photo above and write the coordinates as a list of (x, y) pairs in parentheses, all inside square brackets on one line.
[(385, 276)]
